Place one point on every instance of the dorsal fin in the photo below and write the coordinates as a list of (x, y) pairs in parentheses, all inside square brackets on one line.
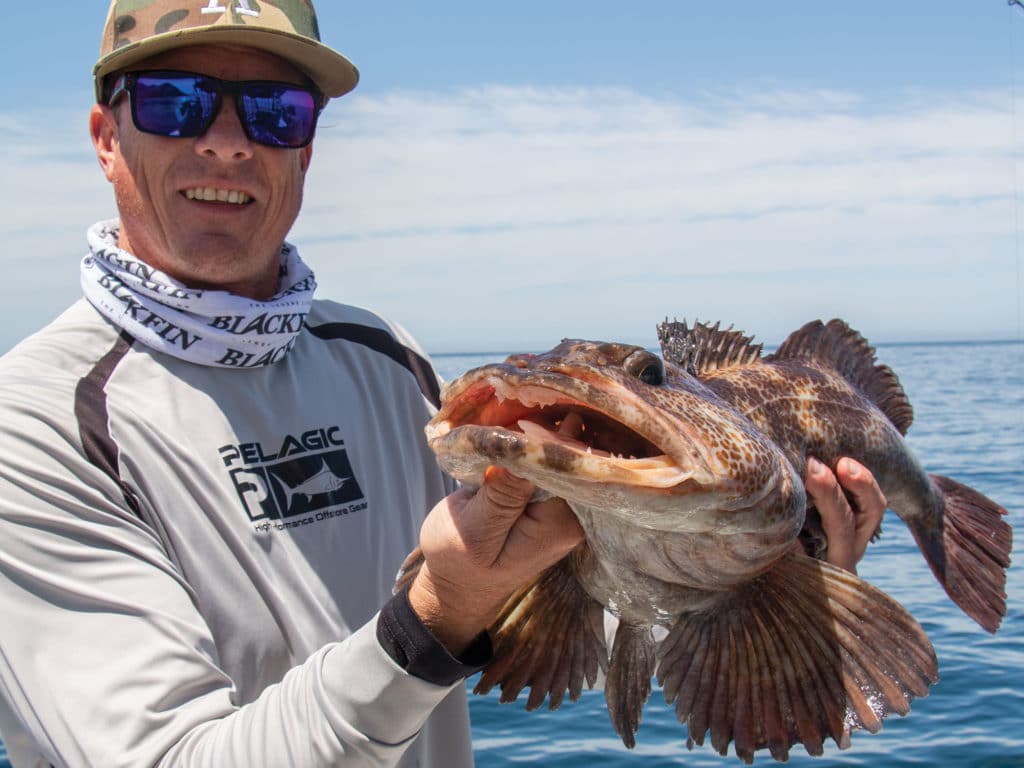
[(705, 348), (843, 349)]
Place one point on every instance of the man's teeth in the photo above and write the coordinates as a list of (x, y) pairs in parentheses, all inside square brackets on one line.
[(217, 195)]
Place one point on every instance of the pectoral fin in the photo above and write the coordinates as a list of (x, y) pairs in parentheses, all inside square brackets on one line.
[(804, 652), (549, 637)]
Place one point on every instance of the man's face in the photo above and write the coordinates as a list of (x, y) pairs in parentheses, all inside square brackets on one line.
[(228, 245)]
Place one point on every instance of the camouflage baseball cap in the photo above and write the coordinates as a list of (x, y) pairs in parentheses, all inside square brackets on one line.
[(138, 29)]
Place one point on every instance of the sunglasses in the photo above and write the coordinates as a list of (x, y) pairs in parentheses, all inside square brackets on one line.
[(185, 104)]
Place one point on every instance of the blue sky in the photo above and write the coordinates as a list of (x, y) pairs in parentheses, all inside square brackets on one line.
[(509, 174)]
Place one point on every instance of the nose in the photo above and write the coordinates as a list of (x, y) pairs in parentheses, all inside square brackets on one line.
[(225, 138)]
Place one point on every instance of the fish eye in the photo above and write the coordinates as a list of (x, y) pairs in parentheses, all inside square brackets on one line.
[(647, 367)]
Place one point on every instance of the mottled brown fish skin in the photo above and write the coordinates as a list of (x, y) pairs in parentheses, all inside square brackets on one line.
[(810, 411)]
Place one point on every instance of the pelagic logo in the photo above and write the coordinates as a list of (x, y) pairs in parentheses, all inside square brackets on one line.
[(241, 6), (300, 480)]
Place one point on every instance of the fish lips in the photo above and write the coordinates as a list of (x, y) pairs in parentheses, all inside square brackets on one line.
[(518, 419)]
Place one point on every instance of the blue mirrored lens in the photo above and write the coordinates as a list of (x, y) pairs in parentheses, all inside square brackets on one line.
[(173, 106), (277, 115)]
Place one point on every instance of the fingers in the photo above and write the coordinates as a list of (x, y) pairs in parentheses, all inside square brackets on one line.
[(869, 501), (545, 533), (514, 537), (482, 520), (847, 528), (836, 515), (505, 493), (479, 547)]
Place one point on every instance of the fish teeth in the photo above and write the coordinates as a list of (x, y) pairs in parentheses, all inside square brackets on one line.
[(533, 429)]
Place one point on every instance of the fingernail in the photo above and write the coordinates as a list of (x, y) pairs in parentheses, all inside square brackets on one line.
[(814, 467), (852, 467)]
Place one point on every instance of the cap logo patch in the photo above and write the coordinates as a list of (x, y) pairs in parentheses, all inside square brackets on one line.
[(241, 6)]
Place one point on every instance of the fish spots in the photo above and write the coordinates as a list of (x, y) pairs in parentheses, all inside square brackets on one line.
[(497, 444), (559, 458)]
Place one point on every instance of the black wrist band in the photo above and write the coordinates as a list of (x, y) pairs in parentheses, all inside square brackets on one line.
[(405, 638)]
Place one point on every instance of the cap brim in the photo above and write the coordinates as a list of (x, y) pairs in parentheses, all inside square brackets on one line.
[(331, 72)]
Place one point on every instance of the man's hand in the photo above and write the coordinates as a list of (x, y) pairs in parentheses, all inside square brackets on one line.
[(479, 548), (847, 529)]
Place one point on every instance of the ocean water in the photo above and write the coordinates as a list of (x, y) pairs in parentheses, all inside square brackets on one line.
[(969, 424)]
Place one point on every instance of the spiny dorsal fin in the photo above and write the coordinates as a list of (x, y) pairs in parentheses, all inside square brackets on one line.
[(843, 349), (705, 348)]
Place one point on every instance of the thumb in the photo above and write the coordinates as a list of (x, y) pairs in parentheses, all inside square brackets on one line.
[(483, 519), (504, 495)]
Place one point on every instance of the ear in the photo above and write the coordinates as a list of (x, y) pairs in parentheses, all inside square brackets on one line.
[(105, 137)]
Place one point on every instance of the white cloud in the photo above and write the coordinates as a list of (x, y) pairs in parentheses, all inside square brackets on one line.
[(510, 217), (53, 190)]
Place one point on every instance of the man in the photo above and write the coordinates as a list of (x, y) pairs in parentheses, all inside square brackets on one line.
[(210, 479)]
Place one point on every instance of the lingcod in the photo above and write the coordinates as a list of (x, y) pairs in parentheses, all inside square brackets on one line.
[(685, 473)]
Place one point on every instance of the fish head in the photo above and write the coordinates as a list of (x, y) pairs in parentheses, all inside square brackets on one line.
[(612, 426)]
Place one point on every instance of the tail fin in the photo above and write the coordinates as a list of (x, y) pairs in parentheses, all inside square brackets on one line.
[(969, 551), (804, 652)]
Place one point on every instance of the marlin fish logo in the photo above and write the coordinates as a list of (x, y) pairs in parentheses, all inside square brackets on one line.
[(324, 481)]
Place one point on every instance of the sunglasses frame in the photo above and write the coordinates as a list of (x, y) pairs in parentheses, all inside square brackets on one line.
[(126, 84)]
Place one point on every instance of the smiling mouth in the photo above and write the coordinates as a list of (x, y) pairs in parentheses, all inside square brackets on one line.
[(211, 195)]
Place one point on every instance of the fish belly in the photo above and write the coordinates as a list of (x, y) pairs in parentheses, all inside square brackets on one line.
[(653, 576)]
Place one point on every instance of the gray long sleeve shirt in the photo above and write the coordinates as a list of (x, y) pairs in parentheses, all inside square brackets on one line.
[(192, 559)]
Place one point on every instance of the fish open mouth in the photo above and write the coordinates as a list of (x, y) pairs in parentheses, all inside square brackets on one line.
[(586, 430), (597, 444)]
